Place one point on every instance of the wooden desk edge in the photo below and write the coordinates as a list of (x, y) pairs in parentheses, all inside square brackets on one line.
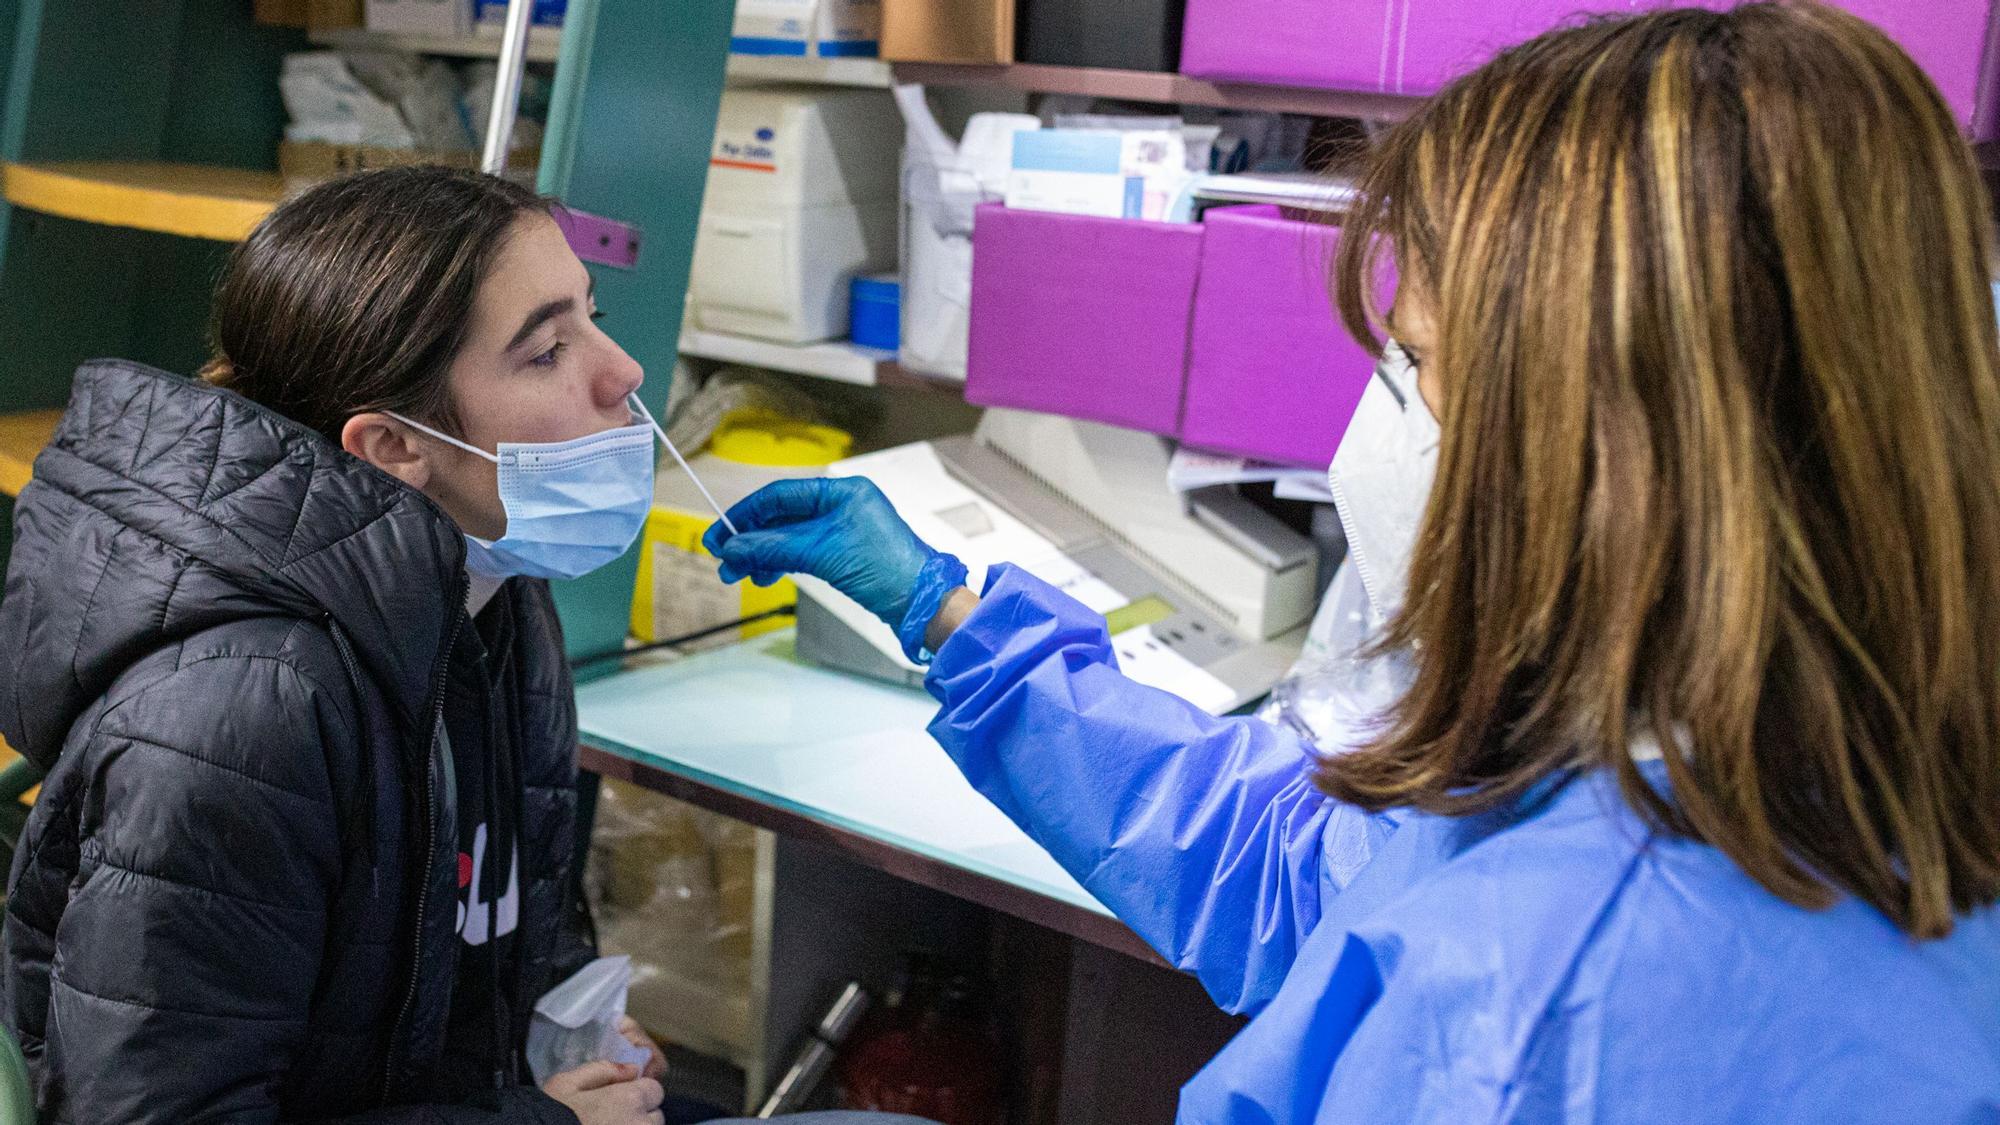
[(994, 894)]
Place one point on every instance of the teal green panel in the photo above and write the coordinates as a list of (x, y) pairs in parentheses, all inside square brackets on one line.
[(66, 296), (10, 17), (76, 291), (630, 130), (223, 103), (22, 45), (174, 279), (596, 609), (193, 80), (99, 84)]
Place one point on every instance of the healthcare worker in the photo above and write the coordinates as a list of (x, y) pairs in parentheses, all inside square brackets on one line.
[(1667, 786)]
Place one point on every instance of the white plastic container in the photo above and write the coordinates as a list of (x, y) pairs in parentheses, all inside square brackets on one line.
[(943, 182), (801, 197)]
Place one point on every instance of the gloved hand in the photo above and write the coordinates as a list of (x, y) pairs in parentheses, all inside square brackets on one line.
[(842, 530)]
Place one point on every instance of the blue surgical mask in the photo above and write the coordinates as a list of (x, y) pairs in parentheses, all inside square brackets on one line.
[(571, 506)]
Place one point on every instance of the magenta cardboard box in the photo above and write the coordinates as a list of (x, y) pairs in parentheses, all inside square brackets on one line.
[(1415, 46), (1081, 316), (1271, 373)]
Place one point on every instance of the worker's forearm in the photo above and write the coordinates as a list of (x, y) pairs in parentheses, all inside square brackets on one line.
[(958, 605)]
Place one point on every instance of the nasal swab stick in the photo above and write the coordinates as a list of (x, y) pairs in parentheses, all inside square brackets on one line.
[(685, 467)]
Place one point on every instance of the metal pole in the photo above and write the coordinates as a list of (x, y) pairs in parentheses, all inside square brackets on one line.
[(507, 87)]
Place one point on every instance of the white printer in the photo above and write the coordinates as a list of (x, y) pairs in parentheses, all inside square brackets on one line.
[(802, 195)]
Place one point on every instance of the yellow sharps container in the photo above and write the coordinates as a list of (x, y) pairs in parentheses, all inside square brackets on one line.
[(678, 591)]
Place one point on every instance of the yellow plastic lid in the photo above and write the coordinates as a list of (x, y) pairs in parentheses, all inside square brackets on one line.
[(755, 436)]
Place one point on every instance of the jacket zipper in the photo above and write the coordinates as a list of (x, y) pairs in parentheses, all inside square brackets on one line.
[(430, 836)]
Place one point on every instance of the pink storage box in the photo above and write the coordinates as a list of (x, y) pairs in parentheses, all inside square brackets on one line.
[(1271, 372), (1415, 46), (1081, 316)]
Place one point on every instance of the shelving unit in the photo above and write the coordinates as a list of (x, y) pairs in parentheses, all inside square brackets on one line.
[(837, 360), (811, 71), (190, 200), (1164, 88), (544, 43), (22, 437)]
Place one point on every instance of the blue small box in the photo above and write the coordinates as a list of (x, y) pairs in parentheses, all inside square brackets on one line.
[(877, 315)]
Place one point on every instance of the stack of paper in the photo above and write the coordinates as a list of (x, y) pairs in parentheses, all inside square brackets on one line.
[(1190, 469)]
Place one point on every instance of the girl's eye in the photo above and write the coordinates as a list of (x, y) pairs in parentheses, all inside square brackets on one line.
[(548, 358), (597, 314)]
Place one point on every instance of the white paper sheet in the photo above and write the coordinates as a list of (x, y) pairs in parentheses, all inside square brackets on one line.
[(1142, 656)]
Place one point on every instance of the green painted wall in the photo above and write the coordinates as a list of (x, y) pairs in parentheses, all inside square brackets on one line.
[(92, 81)]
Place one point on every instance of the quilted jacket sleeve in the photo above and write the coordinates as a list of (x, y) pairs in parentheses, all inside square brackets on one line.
[(207, 851)]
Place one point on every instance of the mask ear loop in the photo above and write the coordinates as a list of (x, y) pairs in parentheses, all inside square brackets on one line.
[(639, 408), (445, 438), (1394, 361)]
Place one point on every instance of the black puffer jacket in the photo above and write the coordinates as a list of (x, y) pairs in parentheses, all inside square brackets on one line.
[(226, 641)]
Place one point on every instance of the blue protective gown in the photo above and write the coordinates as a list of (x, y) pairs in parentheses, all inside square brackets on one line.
[(1554, 962)]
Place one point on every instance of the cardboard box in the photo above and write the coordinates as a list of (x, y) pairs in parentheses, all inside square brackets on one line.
[(305, 163), (959, 31), (772, 27), (825, 28), (307, 13), (420, 17), (848, 28)]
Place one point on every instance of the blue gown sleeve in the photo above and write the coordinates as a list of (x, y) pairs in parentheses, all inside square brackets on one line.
[(1204, 834)]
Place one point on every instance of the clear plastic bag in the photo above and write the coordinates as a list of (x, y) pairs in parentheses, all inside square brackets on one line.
[(576, 1022)]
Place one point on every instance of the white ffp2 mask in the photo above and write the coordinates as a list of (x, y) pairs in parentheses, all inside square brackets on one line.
[(1381, 479)]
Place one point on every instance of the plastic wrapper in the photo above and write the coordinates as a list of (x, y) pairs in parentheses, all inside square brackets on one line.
[(326, 101), (673, 887), (424, 91), (576, 1022), (693, 416)]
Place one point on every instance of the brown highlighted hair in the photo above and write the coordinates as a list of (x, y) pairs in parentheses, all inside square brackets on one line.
[(1720, 461), (356, 295)]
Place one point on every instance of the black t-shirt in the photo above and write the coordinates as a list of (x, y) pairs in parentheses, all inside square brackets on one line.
[(487, 1025)]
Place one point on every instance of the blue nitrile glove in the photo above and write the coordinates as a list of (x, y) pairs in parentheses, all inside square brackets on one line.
[(842, 530)]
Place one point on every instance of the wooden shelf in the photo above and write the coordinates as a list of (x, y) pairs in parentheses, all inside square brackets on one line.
[(809, 71), (898, 377), (544, 43), (193, 200), (837, 360), (1166, 89), (22, 437), (8, 756)]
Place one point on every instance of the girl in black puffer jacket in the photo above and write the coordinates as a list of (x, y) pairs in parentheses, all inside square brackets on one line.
[(303, 848)]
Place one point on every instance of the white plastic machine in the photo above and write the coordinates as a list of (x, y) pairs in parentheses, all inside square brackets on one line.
[(802, 195), (1207, 595)]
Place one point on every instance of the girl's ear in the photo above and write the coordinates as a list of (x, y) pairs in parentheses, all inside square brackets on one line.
[(388, 445)]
